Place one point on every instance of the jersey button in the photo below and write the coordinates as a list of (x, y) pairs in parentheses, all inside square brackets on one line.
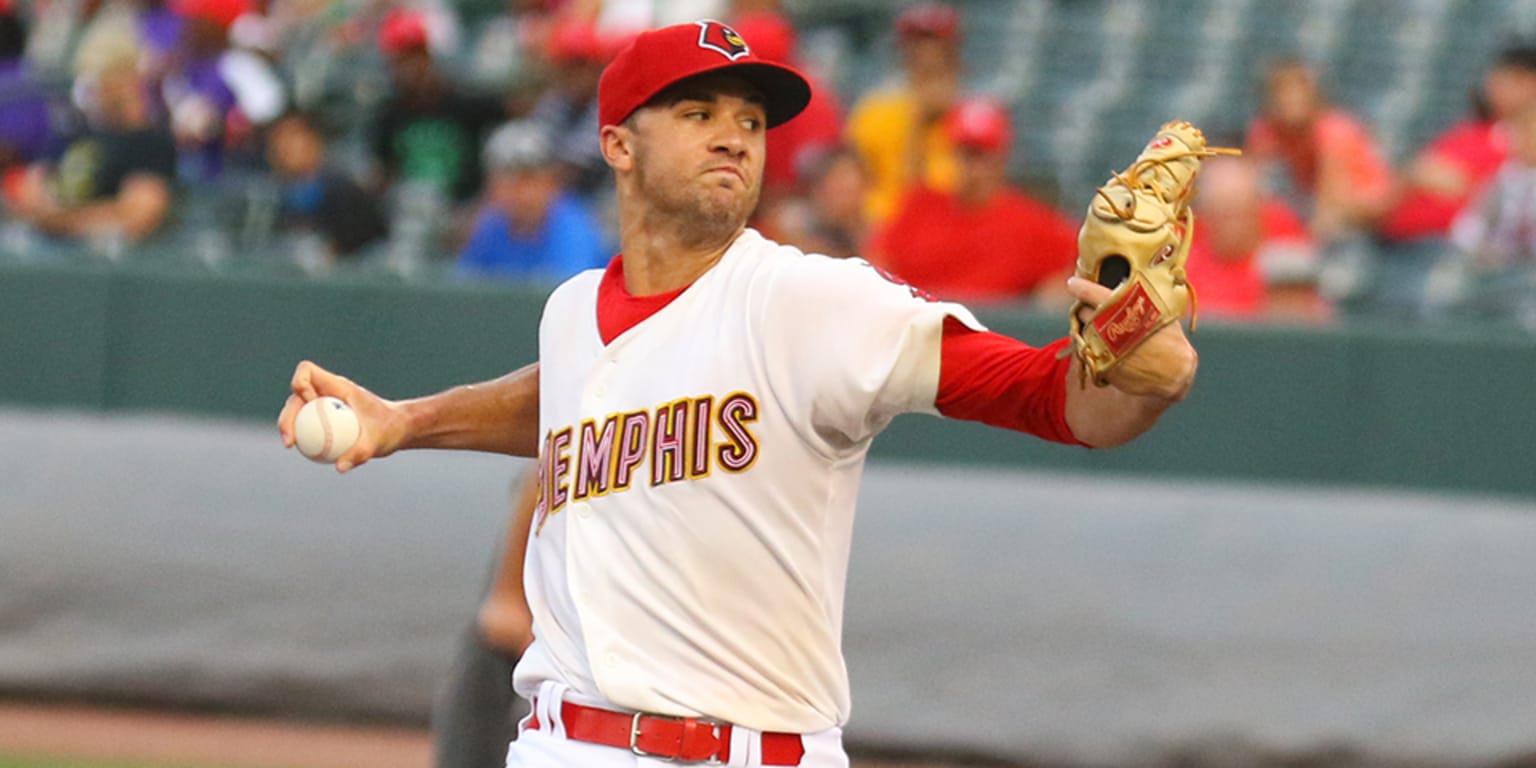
[(583, 509), (611, 660)]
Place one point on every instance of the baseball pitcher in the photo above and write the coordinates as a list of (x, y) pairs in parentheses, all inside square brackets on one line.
[(702, 408)]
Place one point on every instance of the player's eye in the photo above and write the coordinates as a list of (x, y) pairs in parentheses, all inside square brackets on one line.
[(752, 124), (696, 114)]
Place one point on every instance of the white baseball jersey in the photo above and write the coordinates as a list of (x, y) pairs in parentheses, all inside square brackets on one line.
[(699, 476)]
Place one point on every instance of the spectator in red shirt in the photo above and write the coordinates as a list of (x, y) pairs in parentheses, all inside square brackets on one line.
[(1251, 256), (1449, 173), (985, 241), (1329, 165)]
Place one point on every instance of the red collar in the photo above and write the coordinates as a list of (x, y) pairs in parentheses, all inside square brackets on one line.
[(617, 310)]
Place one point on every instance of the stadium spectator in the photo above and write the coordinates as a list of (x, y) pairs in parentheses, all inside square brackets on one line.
[(316, 198), (898, 128), (826, 214), (250, 67), (1322, 160), (576, 54), (983, 241), (1495, 238), (1449, 172), (816, 129), (428, 132), (1251, 257), (26, 120), (194, 88), (531, 227), (114, 185), (159, 25), (504, 54)]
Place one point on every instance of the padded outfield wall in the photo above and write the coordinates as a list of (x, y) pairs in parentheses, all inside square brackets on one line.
[(1430, 407)]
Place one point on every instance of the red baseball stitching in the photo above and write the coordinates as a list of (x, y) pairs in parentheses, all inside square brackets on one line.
[(325, 427)]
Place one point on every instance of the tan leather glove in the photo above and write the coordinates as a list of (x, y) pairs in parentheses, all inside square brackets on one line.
[(1135, 240)]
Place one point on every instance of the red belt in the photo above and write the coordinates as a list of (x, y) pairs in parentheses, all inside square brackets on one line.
[(670, 738)]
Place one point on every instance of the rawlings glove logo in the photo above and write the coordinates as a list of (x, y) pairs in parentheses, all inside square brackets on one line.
[(1124, 326)]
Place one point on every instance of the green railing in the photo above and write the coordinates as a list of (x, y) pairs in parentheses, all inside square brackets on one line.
[(1438, 407)]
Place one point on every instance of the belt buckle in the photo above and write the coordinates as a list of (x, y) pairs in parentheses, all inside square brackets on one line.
[(634, 739)]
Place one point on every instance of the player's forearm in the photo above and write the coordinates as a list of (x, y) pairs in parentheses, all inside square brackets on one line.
[(1104, 417), (504, 619), (496, 416)]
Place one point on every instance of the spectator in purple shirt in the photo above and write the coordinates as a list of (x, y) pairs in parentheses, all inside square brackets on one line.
[(26, 123), (197, 97)]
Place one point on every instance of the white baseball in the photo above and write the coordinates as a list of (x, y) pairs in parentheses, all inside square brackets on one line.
[(325, 428)]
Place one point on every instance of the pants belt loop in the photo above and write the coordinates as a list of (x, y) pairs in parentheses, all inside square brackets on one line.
[(551, 696), (746, 748)]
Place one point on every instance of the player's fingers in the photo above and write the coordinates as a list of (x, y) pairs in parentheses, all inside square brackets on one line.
[(1087, 291), (303, 384), (361, 451), (286, 417)]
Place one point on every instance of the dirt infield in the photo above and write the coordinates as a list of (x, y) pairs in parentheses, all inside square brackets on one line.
[(87, 733), (149, 736)]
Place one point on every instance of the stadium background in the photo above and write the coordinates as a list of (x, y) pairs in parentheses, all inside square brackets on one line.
[(1329, 568)]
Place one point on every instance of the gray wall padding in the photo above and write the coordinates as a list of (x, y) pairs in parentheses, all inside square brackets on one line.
[(1016, 613)]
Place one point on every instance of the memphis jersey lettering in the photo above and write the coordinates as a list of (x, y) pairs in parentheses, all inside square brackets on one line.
[(685, 439)]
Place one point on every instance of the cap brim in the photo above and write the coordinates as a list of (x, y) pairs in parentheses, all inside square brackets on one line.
[(785, 91)]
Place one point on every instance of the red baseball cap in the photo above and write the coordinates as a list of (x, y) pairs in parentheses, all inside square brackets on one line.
[(661, 57), (575, 41), (979, 123), (402, 30), (773, 37), (220, 12)]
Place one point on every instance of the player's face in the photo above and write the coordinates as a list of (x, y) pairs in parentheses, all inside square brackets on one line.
[(699, 150)]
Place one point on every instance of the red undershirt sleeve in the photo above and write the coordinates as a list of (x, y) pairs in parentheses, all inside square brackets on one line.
[(1002, 382)]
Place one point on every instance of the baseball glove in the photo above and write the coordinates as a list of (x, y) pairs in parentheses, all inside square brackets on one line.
[(1135, 240)]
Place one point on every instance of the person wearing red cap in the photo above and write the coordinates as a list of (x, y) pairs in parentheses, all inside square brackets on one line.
[(984, 241), (898, 128), (197, 86), (818, 128), (702, 410), (576, 52), (428, 131)]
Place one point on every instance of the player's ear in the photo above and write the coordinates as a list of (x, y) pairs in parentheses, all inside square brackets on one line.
[(618, 145)]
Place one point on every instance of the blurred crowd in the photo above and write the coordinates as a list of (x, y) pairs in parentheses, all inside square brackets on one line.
[(392, 135)]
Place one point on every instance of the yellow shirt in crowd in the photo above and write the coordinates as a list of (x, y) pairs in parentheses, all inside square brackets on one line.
[(879, 129)]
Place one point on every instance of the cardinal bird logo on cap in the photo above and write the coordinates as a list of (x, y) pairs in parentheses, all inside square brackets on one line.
[(722, 39)]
